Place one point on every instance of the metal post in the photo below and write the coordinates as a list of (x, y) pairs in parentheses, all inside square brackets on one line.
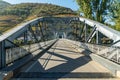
[(25, 37), (118, 55), (82, 29), (85, 27), (44, 24), (33, 33), (38, 31), (97, 37), (91, 35), (2, 55), (79, 26), (40, 26)]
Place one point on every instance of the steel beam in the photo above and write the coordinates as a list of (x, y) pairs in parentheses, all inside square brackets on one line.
[(30, 28), (91, 34), (41, 31), (85, 29), (2, 55), (105, 30), (38, 31), (25, 37), (82, 29), (97, 37)]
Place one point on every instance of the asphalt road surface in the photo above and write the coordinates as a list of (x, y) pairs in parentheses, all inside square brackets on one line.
[(63, 62)]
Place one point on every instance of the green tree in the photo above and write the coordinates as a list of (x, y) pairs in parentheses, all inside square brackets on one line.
[(117, 19), (97, 9), (85, 7)]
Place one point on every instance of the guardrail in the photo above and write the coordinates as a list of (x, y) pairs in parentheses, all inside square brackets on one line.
[(111, 53), (15, 53)]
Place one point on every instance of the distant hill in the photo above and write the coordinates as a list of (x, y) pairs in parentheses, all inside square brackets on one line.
[(25, 10), (3, 5), (12, 15)]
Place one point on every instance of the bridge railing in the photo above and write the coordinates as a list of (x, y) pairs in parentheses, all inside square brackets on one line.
[(111, 53), (15, 53), (23, 40)]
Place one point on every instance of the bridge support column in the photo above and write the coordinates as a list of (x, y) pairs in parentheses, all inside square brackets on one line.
[(2, 55)]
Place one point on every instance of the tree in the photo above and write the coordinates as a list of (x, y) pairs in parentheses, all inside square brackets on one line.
[(85, 7), (117, 19), (97, 9)]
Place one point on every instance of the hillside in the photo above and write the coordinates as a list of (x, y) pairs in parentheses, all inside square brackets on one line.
[(12, 15), (3, 5)]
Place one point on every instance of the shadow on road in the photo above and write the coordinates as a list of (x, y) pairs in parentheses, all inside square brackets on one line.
[(64, 70)]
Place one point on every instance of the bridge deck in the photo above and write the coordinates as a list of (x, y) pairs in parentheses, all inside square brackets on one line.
[(63, 61)]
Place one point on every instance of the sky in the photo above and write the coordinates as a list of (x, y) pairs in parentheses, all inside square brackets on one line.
[(65, 3)]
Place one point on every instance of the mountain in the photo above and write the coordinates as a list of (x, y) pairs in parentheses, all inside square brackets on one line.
[(11, 15), (30, 9), (3, 5)]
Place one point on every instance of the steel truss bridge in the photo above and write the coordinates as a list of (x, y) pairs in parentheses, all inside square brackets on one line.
[(31, 39)]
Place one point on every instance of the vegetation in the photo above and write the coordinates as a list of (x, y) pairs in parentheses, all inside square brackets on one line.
[(3, 5), (117, 19), (12, 15), (85, 8), (99, 10)]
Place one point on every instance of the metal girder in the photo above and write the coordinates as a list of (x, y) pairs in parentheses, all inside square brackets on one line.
[(30, 28), (97, 37), (85, 32), (38, 31), (12, 43), (25, 37), (112, 53), (41, 31), (116, 42), (82, 29), (2, 54), (14, 33), (91, 34), (105, 30), (30, 36)]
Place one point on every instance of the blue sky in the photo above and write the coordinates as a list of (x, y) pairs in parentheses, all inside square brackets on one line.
[(66, 3)]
